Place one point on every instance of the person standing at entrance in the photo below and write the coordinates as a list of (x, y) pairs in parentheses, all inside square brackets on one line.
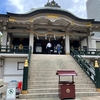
[(58, 48), (48, 47)]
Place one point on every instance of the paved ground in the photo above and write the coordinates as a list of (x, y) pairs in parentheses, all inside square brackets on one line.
[(82, 98)]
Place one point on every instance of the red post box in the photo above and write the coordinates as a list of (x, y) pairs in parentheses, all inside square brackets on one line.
[(66, 89)]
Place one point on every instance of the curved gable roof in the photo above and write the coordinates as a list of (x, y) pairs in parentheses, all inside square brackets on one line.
[(50, 10)]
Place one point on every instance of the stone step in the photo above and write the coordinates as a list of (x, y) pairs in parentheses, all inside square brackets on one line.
[(47, 75), (52, 68), (53, 75), (56, 79), (37, 68), (47, 56), (54, 61), (56, 86), (57, 66), (54, 90), (57, 98), (54, 95), (56, 82), (43, 81)]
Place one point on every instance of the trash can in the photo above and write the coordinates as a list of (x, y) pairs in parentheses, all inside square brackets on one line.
[(66, 89)]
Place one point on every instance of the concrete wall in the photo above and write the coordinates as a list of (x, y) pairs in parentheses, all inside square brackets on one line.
[(11, 71), (0, 73), (93, 43), (83, 43)]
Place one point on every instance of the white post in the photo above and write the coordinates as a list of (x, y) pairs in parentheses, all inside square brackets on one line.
[(89, 42), (4, 39), (67, 46), (31, 41)]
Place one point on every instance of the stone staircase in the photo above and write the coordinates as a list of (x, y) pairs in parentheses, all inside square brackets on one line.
[(43, 81)]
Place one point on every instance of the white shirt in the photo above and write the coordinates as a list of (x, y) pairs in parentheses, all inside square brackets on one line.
[(48, 45)]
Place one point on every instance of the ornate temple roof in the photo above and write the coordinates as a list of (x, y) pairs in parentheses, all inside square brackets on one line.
[(51, 8), (53, 16), (52, 4)]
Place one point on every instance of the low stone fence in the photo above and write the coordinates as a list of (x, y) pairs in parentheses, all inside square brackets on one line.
[(2, 88)]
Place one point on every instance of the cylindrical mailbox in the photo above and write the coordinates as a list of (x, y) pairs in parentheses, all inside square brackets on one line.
[(66, 88)]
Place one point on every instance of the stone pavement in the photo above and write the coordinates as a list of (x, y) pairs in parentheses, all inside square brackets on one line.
[(82, 98)]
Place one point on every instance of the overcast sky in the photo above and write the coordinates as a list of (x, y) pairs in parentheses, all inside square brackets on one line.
[(77, 7)]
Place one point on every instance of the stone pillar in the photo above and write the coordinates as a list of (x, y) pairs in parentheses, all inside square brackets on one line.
[(4, 39), (97, 75), (25, 78), (89, 42), (31, 41), (67, 46)]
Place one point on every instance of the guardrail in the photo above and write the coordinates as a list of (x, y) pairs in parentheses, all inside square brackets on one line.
[(87, 51), (14, 49), (26, 72), (29, 54), (88, 69)]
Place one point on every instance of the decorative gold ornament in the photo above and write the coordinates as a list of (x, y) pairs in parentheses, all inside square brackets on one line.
[(21, 39), (72, 23), (12, 20), (31, 20), (24, 91), (89, 25), (26, 63), (52, 16), (67, 90), (98, 90), (96, 64), (20, 46)]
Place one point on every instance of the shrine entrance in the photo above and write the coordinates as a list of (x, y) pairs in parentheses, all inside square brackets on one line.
[(40, 46)]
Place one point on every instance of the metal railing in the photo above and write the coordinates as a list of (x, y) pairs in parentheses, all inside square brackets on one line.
[(26, 72), (29, 54), (88, 69), (87, 51), (14, 49)]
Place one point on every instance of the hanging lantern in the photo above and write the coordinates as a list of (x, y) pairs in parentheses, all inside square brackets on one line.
[(37, 37), (45, 36), (54, 37), (63, 37)]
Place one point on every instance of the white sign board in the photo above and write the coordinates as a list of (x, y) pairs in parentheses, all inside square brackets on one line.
[(11, 93), (38, 49)]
